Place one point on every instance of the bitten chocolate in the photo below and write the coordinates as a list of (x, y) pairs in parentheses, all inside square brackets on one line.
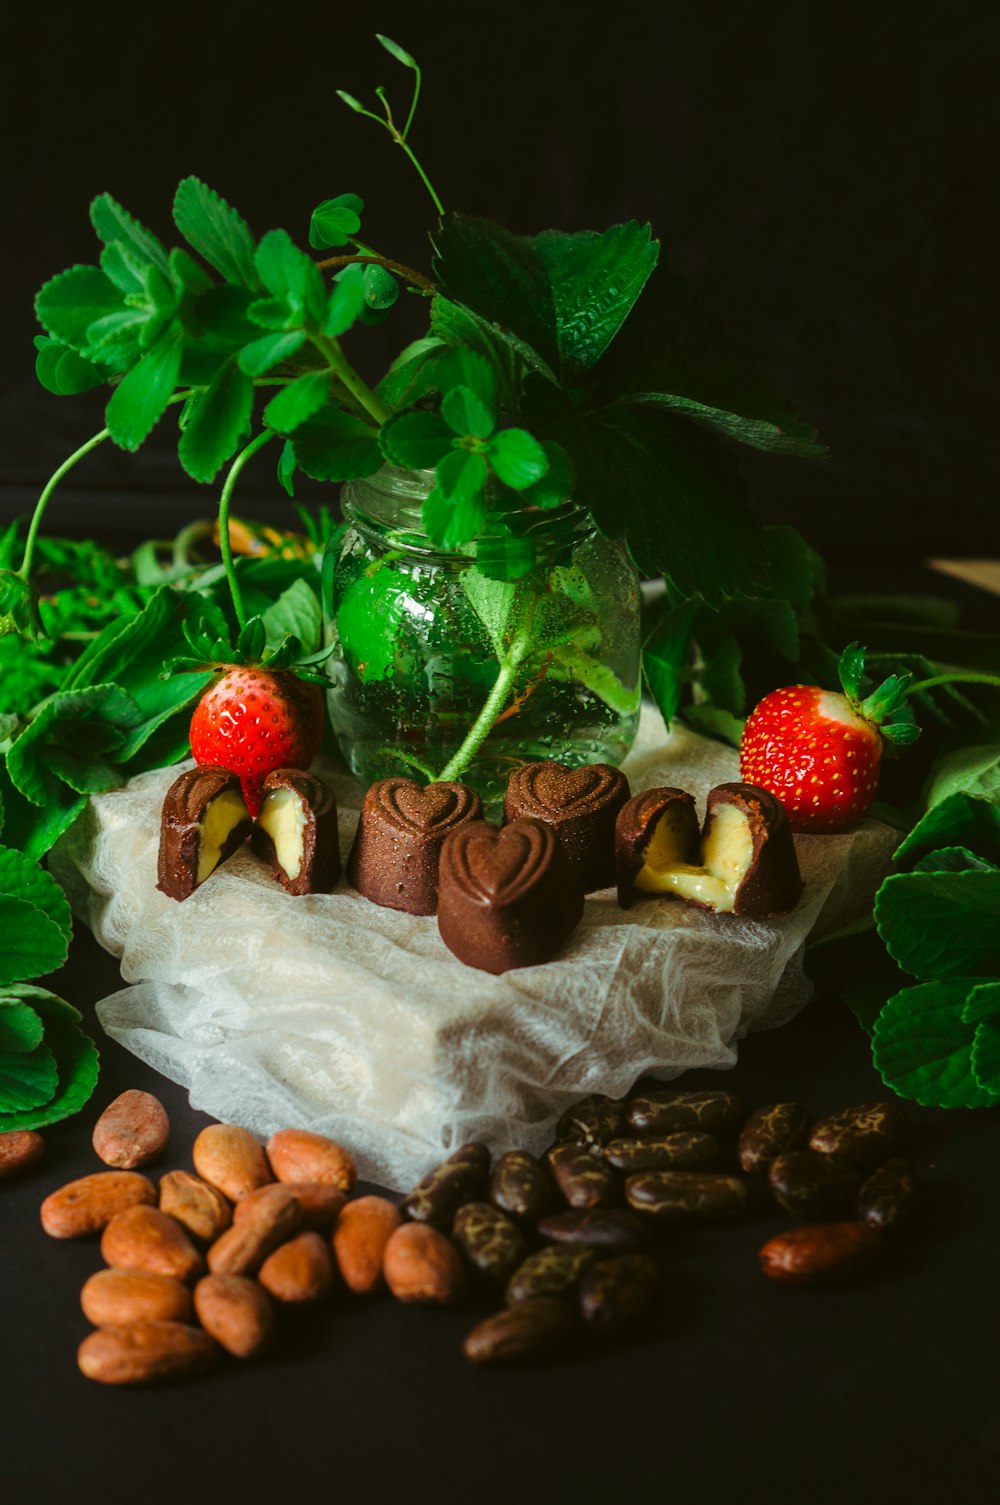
[(397, 848), (507, 898), (204, 820), (296, 831), (580, 804), (745, 863)]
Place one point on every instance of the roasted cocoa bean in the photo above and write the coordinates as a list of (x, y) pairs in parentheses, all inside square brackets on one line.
[(811, 1185), (684, 1151), (592, 1121), (820, 1253), (887, 1199), (461, 1178), (770, 1132), (493, 1245), (686, 1196), (553, 1271), (584, 1179), (530, 1330), (131, 1131), (19, 1149), (865, 1134), (521, 1186), (611, 1229), (202, 1208), (617, 1292), (662, 1112)]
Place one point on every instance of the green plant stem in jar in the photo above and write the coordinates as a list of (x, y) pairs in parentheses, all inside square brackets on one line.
[(444, 669)]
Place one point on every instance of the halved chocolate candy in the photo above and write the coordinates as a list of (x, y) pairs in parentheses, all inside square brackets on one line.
[(580, 804), (296, 831), (507, 898), (397, 847), (746, 864), (204, 820)]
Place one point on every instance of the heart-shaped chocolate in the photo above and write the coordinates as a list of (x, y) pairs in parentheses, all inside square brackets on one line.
[(431, 809), (498, 867), (394, 859), (581, 805), (553, 787)]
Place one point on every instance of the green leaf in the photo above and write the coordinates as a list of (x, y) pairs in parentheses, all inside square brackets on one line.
[(252, 641), (573, 666), (219, 319), (30, 943), (20, 1027), (463, 412), (505, 557), (350, 101), (83, 722), (140, 399), (502, 278), (49, 1005), (954, 860), (969, 770), (595, 280), (287, 466), (27, 1081), (923, 1051), (21, 878), (217, 420), (470, 335), (260, 356), (415, 440), (335, 220), (665, 657), (402, 384), (68, 304), (380, 286), (394, 50), (345, 302), (958, 820), (290, 274), (77, 1065), (127, 272), (333, 446), (517, 458), (939, 925), (65, 373), (496, 604), (296, 612), (297, 402), (712, 721), (556, 485), (114, 224), (31, 829), (982, 1003), (216, 231), (986, 1058), (461, 478)]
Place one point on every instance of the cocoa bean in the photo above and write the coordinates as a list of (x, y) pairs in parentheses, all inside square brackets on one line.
[(144, 1353), (609, 1229), (87, 1205), (459, 1179), (359, 1239), (421, 1265), (530, 1330), (819, 1253), (133, 1130), (242, 1249), (319, 1202), (111, 1298), (299, 1155), (144, 1238), (236, 1312), (686, 1196), (583, 1178), (521, 1186), (230, 1158), (617, 1292), (592, 1121), (663, 1112), (553, 1271), (811, 1185), (19, 1150), (492, 1243), (864, 1135), (770, 1132), (201, 1208), (298, 1272), (686, 1150), (887, 1199)]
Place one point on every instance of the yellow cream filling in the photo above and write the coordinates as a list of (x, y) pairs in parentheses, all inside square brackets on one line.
[(284, 820), (221, 817), (727, 852)]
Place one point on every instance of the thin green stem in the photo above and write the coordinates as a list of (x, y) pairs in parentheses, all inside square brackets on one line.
[(417, 79), (346, 373), (952, 679), (497, 698), (225, 543), (43, 500), (401, 141)]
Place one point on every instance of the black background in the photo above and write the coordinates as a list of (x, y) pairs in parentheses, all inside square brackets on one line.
[(822, 174)]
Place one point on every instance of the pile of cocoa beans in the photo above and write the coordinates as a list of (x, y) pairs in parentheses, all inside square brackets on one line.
[(205, 1261)]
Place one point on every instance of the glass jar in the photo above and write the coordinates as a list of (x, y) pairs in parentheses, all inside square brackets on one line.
[(467, 665)]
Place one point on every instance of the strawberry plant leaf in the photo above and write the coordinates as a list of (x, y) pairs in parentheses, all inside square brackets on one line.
[(296, 612), (957, 820), (22, 878), (216, 231), (502, 278), (923, 1051), (986, 1057), (455, 511), (93, 720), (31, 944), (27, 1080), (291, 275), (941, 925), (115, 226), (77, 1065), (665, 656), (262, 355), (982, 1003), (464, 413), (217, 421), (297, 402), (48, 1005), (516, 458), (954, 860), (20, 1027), (415, 440), (595, 280), (140, 399), (556, 485), (334, 446), (31, 829), (69, 303), (968, 770)]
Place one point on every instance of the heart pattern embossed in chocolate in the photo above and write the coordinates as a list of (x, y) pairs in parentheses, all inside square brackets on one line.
[(581, 805), (397, 846), (507, 898)]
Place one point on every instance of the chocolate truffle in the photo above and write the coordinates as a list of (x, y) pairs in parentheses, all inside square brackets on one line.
[(580, 804), (296, 831), (508, 897), (203, 822), (397, 847), (746, 864)]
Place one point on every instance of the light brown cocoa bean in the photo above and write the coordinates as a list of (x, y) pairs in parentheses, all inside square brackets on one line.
[(111, 1298), (19, 1149), (89, 1204), (131, 1131), (144, 1353), (319, 1203), (298, 1155), (819, 1253), (144, 1238), (242, 1249), (299, 1271), (231, 1159), (422, 1265), (236, 1312), (201, 1208), (359, 1239)]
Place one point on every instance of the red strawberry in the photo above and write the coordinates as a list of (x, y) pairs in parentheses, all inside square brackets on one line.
[(819, 751), (254, 720)]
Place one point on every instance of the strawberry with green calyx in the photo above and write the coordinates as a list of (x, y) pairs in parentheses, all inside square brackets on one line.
[(265, 711)]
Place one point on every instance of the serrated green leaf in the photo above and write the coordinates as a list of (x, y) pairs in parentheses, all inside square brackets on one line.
[(20, 1027), (394, 50), (415, 440), (297, 402), (216, 231), (68, 304), (501, 278), (31, 829), (517, 458), (217, 421), (923, 1051), (957, 820), (333, 446), (969, 770), (986, 1057), (455, 511), (219, 319), (31, 944), (468, 334), (126, 271), (464, 413), (345, 302), (77, 1064), (49, 1005), (665, 657), (23, 879), (402, 384), (289, 273), (335, 220), (574, 666), (496, 604), (27, 1081), (262, 355), (595, 280), (86, 721), (141, 398), (557, 484), (954, 860), (940, 925), (296, 612), (113, 224), (982, 1003)]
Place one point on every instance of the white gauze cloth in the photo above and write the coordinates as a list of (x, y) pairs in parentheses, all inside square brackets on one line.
[(331, 1013)]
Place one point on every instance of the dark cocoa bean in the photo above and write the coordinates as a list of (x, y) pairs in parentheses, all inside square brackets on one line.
[(524, 1332), (592, 1121), (617, 1292), (812, 1185), (686, 1196), (459, 1179), (865, 1134), (493, 1245), (657, 1112), (521, 1186), (820, 1253), (887, 1199), (553, 1271), (583, 1178), (607, 1228), (770, 1132), (684, 1151)]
